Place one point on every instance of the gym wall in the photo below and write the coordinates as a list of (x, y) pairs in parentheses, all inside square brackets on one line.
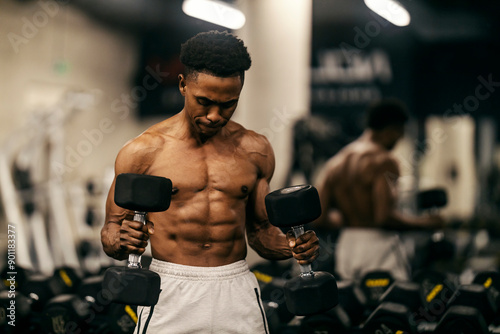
[(51, 51)]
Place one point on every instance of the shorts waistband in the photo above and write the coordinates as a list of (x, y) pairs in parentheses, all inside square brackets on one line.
[(369, 235), (367, 231), (191, 272)]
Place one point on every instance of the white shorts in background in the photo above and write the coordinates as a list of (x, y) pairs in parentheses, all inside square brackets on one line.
[(203, 300), (360, 250)]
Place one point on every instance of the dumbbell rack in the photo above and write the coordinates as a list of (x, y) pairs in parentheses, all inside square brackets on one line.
[(45, 237)]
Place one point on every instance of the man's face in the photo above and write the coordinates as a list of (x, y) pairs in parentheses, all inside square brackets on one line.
[(209, 101)]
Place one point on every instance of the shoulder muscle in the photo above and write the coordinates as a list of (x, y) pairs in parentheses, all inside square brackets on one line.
[(260, 151), (137, 155)]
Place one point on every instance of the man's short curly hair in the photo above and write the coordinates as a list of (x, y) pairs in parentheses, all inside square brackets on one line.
[(217, 53), (386, 112)]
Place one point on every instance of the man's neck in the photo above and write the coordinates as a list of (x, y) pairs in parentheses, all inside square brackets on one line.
[(373, 137)]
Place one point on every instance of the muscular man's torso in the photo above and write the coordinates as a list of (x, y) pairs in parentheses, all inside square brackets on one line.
[(205, 224), (352, 173)]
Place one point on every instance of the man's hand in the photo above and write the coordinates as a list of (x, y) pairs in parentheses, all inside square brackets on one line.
[(305, 248), (134, 236), (434, 222)]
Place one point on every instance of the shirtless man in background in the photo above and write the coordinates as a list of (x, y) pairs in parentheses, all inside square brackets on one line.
[(220, 173), (359, 196)]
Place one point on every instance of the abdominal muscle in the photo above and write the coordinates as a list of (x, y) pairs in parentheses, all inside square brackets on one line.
[(199, 231)]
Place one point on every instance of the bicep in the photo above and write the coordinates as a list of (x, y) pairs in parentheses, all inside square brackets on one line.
[(256, 208), (127, 161)]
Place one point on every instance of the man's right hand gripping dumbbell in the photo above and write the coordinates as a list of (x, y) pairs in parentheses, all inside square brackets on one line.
[(142, 194)]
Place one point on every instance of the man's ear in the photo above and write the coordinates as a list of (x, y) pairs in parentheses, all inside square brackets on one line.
[(182, 84)]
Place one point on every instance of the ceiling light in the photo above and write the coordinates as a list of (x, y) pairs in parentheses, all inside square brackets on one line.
[(391, 10), (214, 11)]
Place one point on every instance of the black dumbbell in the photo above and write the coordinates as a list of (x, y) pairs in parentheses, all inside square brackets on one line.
[(358, 300), (311, 292), (404, 293), (140, 193), (439, 247), (396, 310), (408, 306), (41, 288), (471, 309), (432, 199), (373, 284), (390, 318), (15, 280), (67, 279), (68, 313), (463, 320), (477, 296), (71, 312), (353, 301), (491, 281), (63, 310), (15, 309), (436, 289), (104, 314), (122, 318), (65, 313), (90, 310), (34, 291), (97, 299), (333, 321), (346, 317)]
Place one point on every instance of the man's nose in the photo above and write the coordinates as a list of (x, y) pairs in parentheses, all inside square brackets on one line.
[(214, 114)]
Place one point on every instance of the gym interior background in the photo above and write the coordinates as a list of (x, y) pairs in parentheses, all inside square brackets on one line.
[(81, 77)]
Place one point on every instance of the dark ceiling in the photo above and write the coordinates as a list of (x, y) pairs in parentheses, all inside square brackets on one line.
[(432, 20)]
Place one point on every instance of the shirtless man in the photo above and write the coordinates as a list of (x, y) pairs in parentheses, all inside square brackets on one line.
[(358, 194), (220, 173)]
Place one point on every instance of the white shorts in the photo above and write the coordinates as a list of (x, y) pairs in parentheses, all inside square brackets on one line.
[(201, 300), (360, 250)]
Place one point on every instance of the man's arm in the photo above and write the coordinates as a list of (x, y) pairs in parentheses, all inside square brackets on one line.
[(385, 198), (330, 217), (268, 240), (120, 235)]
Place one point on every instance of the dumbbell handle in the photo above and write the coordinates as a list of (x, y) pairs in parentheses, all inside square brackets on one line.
[(305, 269), (134, 260)]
